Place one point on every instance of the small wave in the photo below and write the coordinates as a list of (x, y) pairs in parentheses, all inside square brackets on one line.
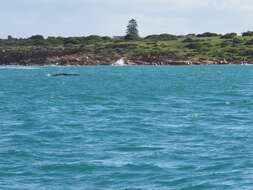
[(227, 103), (120, 62), (144, 148), (111, 163)]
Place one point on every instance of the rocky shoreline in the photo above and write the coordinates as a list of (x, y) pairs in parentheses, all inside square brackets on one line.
[(71, 57)]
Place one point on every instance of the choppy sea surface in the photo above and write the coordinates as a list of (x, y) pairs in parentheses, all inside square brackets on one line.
[(126, 128)]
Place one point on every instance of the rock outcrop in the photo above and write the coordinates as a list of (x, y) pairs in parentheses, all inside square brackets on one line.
[(75, 57)]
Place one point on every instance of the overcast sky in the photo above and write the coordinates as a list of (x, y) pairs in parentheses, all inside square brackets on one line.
[(23, 18)]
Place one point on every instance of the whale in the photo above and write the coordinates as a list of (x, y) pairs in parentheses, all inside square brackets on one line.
[(63, 74)]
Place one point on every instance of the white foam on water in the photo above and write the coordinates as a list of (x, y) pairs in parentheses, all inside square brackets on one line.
[(112, 163), (195, 115), (120, 62)]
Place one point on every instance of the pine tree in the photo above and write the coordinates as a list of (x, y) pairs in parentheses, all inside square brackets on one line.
[(132, 27)]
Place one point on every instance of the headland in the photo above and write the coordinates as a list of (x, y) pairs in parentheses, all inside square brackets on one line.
[(164, 49)]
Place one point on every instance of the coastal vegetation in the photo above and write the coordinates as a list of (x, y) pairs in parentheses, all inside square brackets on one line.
[(227, 47), (132, 32)]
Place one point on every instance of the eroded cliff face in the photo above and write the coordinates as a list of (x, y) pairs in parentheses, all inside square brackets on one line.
[(82, 59), (54, 57), (168, 59), (73, 57), (30, 57)]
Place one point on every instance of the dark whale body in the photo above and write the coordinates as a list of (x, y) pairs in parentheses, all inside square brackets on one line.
[(63, 74)]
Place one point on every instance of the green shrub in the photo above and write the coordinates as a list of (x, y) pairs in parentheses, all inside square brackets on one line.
[(161, 37), (55, 41), (237, 40), (72, 41), (225, 44), (36, 37), (38, 42), (248, 33), (207, 34), (93, 39), (229, 36), (194, 46), (248, 53), (231, 50), (106, 38), (132, 37), (188, 40), (250, 42)]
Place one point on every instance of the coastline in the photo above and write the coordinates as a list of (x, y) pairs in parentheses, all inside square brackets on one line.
[(81, 59), (163, 49)]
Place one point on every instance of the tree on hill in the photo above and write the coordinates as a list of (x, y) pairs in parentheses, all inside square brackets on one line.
[(207, 34), (37, 40), (37, 37), (229, 36), (132, 30), (248, 33), (161, 37), (132, 27)]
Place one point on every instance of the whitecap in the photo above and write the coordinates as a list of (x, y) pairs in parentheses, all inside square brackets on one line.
[(120, 62)]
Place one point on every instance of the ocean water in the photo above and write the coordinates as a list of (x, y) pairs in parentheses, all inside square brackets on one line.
[(126, 128)]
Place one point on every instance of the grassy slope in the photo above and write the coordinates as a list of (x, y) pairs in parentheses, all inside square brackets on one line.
[(199, 47), (213, 47)]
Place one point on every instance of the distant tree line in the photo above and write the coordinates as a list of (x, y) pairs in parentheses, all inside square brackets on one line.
[(132, 34), (38, 40), (205, 44)]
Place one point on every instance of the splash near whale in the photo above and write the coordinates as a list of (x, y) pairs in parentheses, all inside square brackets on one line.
[(120, 62)]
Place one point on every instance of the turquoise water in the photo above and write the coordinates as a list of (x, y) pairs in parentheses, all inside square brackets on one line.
[(139, 127)]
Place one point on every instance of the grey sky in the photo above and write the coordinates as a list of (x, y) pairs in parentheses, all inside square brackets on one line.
[(23, 18)]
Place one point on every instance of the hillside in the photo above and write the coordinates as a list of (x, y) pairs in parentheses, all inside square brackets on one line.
[(207, 46)]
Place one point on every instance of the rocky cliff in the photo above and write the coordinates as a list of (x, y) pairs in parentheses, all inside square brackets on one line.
[(75, 57)]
